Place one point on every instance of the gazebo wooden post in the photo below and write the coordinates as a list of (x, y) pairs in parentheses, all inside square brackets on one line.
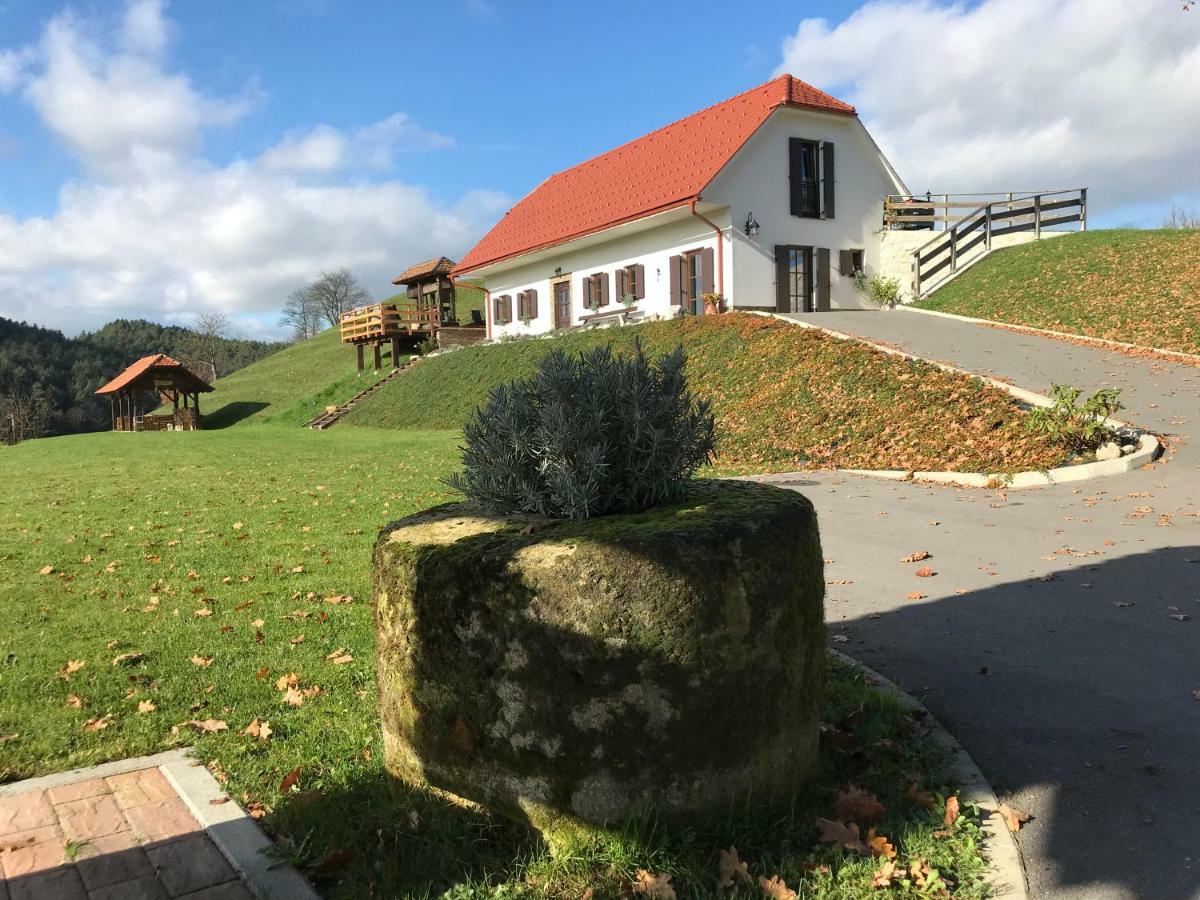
[(395, 351), (359, 348), (378, 355)]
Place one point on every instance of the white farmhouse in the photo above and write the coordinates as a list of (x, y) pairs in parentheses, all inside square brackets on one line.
[(772, 199)]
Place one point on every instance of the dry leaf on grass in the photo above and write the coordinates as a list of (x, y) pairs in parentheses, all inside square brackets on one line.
[(731, 870), (260, 730), (776, 888), (70, 667), (98, 724), (203, 661), (296, 570), (290, 780), (293, 697), (298, 639), (951, 811), (340, 657), (75, 701), (291, 679), (46, 570), (921, 798), (855, 805), (203, 613), (8, 738), (879, 845), (339, 598), (845, 836), (656, 887), (883, 875), (1014, 818), (128, 659), (206, 726), (146, 706)]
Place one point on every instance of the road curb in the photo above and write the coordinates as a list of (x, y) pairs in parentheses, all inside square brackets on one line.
[(1006, 869), (1149, 446)]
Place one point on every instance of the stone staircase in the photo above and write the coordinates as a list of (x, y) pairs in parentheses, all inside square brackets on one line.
[(331, 416)]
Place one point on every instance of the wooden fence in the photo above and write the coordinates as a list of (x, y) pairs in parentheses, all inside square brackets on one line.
[(384, 320)]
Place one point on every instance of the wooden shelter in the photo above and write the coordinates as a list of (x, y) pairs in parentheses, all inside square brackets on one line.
[(429, 284), (169, 381)]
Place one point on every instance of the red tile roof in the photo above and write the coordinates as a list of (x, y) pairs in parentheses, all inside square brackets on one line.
[(661, 170), (439, 265), (144, 365)]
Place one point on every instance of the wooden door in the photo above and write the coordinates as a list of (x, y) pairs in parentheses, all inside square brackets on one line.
[(562, 304), (793, 278)]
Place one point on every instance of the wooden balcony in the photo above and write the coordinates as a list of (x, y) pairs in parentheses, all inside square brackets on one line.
[(383, 321)]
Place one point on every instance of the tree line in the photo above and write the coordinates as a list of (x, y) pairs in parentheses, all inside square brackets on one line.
[(47, 380)]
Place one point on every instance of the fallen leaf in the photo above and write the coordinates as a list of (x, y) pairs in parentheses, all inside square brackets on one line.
[(257, 623), (776, 888), (879, 845), (262, 673), (293, 697), (96, 724), (46, 570), (298, 639), (291, 679), (340, 657), (71, 667), (731, 870), (75, 701), (202, 613), (202, 661), (917, 556), (237, 526), (128, 659), (1014, 818), (296, 570), (844, 836), (218, 801), (260, 730), (925, 572), (951, 811), (914, 595), (883, 875), (855, 805), (919, 797), (7, 738), (656, 887), (207, 726), (146, 706), (340, 598), (290, 780)]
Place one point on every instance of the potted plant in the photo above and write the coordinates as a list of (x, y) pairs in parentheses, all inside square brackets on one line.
[(592, 632), (712, 303), (882, 290), (628, 300)]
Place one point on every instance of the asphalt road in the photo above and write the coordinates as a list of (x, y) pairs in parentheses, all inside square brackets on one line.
[(1047, 642)]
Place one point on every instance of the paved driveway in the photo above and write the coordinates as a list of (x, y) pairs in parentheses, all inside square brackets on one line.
[(1046, 643)]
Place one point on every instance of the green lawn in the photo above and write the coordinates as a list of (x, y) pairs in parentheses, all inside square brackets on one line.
[(1141, 287), (215, 558), (785, 398)]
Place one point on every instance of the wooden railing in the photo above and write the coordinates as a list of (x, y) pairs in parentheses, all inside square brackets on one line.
[(385, 320), (938, 212), (969, 236)]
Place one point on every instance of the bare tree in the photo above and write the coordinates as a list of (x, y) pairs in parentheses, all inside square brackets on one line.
[(1180, 217), (22, 417), (206, 348), (335, 293), (301, 314)]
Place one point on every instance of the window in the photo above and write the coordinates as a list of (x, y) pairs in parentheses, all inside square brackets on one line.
[(595, 290), (502, 309), (851, 263), (691, 278), (810, 178), (631, 282)]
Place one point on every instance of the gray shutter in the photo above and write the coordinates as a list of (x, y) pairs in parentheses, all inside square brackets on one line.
[(795, 183), (706, 270), (845, 263), (782, 301), (827, 179), (603, 277), (639, 281), (822, 279), (676, 281), (531, 303)]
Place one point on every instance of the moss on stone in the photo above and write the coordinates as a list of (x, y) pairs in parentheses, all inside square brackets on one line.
[(577, 672)]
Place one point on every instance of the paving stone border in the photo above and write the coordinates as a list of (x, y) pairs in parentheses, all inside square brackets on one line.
[(1006, 870), (1149, 446), (239, 839)]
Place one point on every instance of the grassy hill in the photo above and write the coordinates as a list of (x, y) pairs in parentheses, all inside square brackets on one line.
[(289, 387), (785, 397), (1142, 287)]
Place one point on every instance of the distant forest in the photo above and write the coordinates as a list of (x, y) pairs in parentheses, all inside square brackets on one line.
[(50, 378)]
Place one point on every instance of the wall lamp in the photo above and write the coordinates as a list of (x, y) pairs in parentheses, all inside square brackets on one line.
[(751, 226)]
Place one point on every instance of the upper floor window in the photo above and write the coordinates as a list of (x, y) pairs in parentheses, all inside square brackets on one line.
[(810, 178)]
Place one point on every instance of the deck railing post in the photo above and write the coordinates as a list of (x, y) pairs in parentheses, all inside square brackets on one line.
[(1083, 209), (987, 227), (946, 211), (953, 251), (917, 275), (1037, 216)]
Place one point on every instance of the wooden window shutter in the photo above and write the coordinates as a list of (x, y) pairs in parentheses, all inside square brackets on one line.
[(795, 182), (531, 303), (520, 304), (674, 266), (619, 278), (706, 270), (846, 263), (602, 277), (827, 179), (639, 281), (822, 279), (782, 298), (507, 298)]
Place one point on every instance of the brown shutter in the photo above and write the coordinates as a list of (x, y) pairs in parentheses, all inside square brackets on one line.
[(603, 278), (639, 281), (531, 303), (676, 281), (619, 279), (508, 307), (846, 263), (822, 279), (827, 179), (782, 300), (520, 304), (706, 270)]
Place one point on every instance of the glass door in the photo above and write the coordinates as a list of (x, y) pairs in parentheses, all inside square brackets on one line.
[(795, 274), (562, 304)]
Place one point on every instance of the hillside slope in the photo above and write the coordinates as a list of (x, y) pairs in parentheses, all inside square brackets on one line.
[(1141, 287), (288, 387), (786, 397)]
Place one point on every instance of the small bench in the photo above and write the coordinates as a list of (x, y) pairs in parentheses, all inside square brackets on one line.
[(621, 316)]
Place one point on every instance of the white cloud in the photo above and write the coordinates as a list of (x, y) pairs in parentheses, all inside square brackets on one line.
[(153, 229), (1020, 94)]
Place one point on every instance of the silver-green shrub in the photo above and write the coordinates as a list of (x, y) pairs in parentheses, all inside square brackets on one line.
[(585, 436)]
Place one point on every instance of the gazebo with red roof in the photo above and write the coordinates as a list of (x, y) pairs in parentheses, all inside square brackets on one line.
[(169, 381)]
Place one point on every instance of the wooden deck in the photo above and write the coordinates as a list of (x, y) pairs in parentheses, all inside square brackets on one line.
[(381, 321)]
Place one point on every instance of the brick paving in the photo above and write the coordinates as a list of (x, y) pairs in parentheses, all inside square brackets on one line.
[(124, 837)]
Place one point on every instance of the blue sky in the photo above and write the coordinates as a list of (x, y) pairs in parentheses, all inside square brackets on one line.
[(162, 158)]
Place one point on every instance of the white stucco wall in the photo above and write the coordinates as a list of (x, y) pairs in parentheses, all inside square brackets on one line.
[(756, 181), (652, 248)]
